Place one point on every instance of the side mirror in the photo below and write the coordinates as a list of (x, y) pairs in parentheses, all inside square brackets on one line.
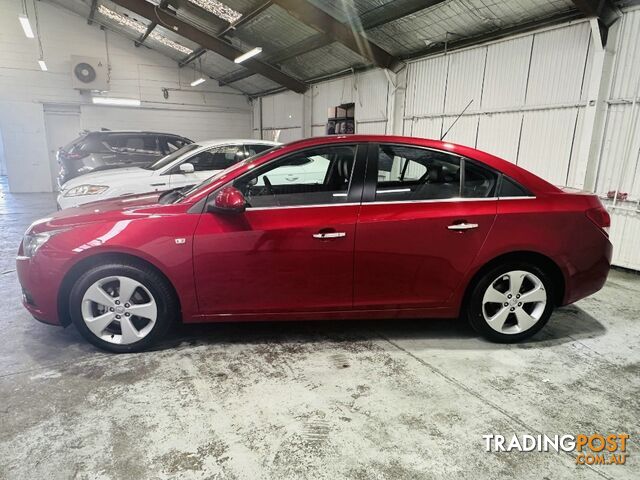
[(187, 168), (228, 200)]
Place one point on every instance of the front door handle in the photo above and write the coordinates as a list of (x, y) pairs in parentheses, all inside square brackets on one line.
[(291, 178), (462, 226), (327, 235)]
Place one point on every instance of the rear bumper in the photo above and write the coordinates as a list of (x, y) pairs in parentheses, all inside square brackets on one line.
[(588, 270), (39, 290)]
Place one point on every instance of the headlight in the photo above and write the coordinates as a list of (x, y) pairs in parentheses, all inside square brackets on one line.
[(85, 190), (31, 242)]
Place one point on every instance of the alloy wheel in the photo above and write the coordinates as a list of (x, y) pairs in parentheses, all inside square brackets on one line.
[(119, 310), (514, 302)]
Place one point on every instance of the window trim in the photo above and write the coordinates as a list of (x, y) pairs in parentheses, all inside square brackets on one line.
[(356, 182)]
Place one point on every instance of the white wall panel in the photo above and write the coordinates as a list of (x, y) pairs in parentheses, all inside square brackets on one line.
[(283, 135), (499, 134), (558, 65), (627, 70), (282, 110), (426, 84), (464, 131), (546, 141), (625, 235), (372, 128), (196, 125), (505, 79), (429, 127), (318, 131), (464, 80), (617, 170), (370, 96)]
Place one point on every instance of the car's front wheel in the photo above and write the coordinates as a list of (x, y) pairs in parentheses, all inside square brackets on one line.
[(122, 308), (511, 302)]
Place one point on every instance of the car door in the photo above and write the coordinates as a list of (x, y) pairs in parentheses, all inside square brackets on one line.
[(292, 249), (205, 164), (421, 224)]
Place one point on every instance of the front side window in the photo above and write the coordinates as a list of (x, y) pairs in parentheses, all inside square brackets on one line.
[(218, 158), (317, 176)]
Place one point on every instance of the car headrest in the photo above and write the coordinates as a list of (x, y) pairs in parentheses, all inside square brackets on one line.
[(434, 174)]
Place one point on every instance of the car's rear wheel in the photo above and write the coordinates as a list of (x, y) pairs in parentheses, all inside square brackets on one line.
[(122, 308), (511, 302)]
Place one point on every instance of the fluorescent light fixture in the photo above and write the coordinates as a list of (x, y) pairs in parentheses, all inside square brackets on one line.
[(249, 54), (123, 102), (198, 81), (139, 27), (26, 26), (43, 66)]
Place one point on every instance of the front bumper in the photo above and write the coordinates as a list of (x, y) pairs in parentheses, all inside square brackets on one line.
[(39, 290)]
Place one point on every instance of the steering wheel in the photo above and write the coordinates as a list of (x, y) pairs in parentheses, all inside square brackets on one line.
[(267, 184)]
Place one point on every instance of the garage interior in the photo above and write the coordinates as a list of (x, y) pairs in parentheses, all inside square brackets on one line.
[(551, 85)]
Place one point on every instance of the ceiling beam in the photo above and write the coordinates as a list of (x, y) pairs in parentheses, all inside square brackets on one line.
[(373, 18), (221, 47), (230, 28), (192, 56), (151, 26), (601, 9), (92, 11), (320, 20), (245, 18)]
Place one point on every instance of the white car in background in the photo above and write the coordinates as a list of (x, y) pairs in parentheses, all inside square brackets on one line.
[(189, 165)]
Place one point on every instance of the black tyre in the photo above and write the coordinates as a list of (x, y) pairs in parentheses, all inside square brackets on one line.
[(122, 308), (511, 302)]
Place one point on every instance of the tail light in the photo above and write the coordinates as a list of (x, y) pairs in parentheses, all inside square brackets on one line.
[(600, 217)]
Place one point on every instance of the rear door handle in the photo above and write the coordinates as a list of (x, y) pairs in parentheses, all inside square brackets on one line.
[(326, 235), (462, 226), (291, 178)]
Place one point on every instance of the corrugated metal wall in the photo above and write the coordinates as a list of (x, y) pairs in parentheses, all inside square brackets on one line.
[(619, 167), (526, 95)]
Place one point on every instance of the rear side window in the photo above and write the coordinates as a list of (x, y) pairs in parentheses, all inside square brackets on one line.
[(479, 182), (509, 188), (133, 143), (253, 149), (409, 173), (174, 143)]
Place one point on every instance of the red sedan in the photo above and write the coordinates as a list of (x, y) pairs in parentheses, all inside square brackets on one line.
[(354, 226)]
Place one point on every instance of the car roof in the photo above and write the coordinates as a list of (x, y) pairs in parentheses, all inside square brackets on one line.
[(140, 132)]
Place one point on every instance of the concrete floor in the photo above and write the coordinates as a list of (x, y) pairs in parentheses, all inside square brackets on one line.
[(358, 400)]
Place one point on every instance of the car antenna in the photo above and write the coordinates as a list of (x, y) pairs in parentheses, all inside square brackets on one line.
[(457, 118)]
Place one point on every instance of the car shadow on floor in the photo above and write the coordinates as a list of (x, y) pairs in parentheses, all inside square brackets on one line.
[(566, 325)]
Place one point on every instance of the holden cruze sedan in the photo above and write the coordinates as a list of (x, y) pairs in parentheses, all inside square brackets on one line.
[(396, 227)]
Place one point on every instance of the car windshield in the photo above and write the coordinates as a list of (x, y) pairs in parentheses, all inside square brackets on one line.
[(179, 194), (164, 161)]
